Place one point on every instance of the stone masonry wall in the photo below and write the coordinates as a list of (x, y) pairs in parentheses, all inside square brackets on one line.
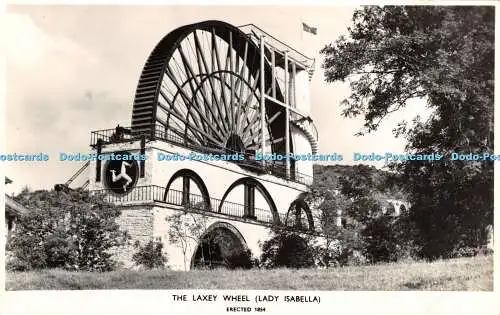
[(138, 222)]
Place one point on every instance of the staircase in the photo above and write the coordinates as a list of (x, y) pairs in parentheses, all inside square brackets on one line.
[(65, 186), (307, 127)]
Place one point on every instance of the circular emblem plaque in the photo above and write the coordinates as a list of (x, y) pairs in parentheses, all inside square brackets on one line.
[(121, 174)]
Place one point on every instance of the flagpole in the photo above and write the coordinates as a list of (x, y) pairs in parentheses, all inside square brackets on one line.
[(302, 32)]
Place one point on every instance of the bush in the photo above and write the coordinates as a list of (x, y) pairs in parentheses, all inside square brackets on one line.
[(73, 230), (389, 239), (241, 260), (26, 253), (469, 251), (287, 249), (351, 257), (150, 255)]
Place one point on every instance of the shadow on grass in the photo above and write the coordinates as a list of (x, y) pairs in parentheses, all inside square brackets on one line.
[(427, 284)]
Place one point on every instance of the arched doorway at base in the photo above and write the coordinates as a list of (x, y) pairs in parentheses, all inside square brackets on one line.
[(218, 247)]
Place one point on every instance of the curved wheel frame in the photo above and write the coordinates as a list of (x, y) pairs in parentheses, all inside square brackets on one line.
[(202, 83)]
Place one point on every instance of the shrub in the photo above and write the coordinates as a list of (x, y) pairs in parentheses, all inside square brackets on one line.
[(351, 257), (241, 260), (150, 255), (73, 230), (287, 249), (26, 253), (389, 239)]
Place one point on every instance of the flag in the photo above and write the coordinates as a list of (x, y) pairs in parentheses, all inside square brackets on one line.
[(309, 29)]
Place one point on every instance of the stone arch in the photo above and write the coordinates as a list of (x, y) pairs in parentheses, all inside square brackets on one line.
[(403, 209), (250, 185), (300, 205), (236, 244), (187, 175)]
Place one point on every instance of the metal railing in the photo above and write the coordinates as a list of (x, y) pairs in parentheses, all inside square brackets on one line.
[(114, 135), (153, 193), (254, 32), (108, 136)]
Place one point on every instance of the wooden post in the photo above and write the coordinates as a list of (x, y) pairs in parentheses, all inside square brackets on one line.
[(273, 66), (143, 152), (185, 190), (98, 162), (262, 97), (287, 119)]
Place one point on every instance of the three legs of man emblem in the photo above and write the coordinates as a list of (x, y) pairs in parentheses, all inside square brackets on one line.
[(123, 174)]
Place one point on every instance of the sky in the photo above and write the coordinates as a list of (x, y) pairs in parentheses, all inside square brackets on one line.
[(74, 69)]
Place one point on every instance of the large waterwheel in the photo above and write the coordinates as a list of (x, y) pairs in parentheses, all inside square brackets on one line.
[(201, 88)]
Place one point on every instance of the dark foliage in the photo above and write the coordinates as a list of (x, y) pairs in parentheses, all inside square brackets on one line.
[(287, 249), (443, 55), (370, 230), (389, 239), (150, 255), (241, 260), (72, 230), (354, 180)]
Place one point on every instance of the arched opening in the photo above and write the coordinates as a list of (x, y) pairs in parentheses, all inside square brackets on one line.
[(403, 210), (252, 206), (299, 215), (180, 192), (218, 247)]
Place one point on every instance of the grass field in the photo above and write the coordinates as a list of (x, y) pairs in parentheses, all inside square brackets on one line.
[(465, 274)]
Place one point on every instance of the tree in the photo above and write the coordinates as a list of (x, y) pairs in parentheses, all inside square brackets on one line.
[(150, 255), (185, 229), (74, 230), (445, 56), (369, 229), (358, 201), (241, 260), (388, 239), (330, 206), (287, 249)]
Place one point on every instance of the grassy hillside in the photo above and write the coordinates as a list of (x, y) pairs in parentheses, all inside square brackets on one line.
[(465, 274)]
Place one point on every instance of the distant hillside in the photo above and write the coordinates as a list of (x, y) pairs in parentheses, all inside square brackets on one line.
[(328, 176)]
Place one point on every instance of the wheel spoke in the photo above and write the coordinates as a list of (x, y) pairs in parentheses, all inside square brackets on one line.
[(223, 81), (208, 92), (181, 91), (189, 70), (240, 98), (201, 56), (217, 57), (200, 116), (193, 128), (250, 97)]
